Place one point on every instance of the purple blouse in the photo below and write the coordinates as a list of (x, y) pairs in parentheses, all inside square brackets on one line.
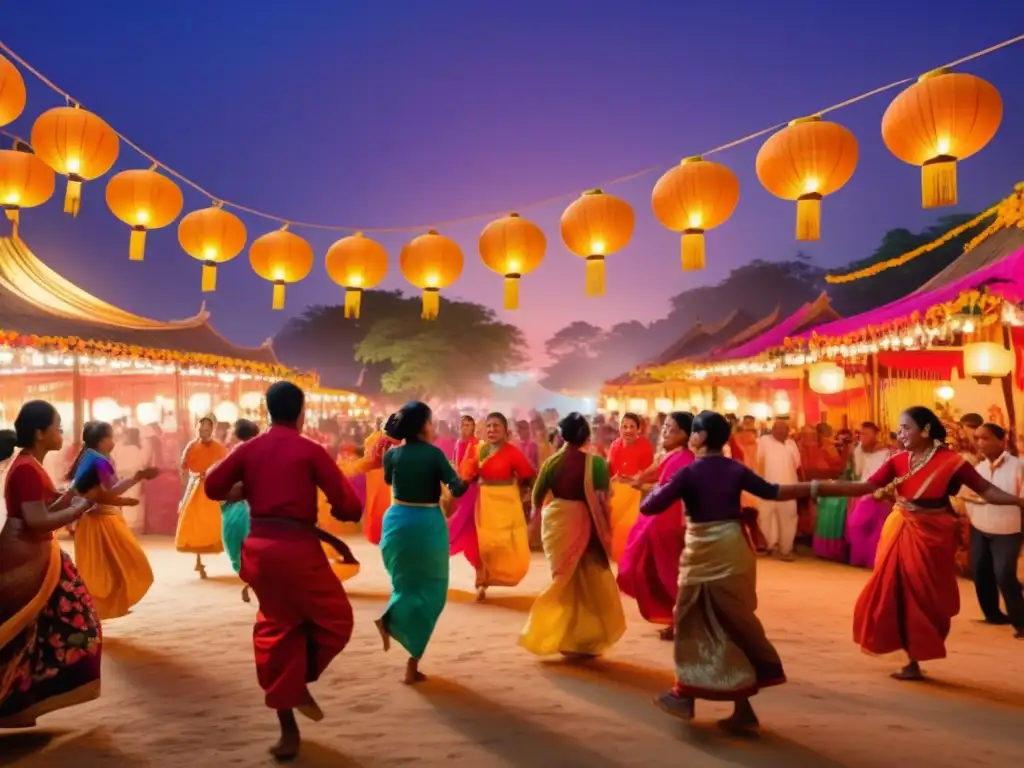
[(710, 490)]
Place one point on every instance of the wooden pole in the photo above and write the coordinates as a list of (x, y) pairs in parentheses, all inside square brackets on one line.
[(77, 399), (1007, 383)]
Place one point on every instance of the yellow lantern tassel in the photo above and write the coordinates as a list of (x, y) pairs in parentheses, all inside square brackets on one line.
[(278, 295), (512, 291), (595, 275), (938, 182), (209, 276), (431, 303), (73, 195), (12, 215), (137, 245), (693, 250), (353, 300), (808, 217)]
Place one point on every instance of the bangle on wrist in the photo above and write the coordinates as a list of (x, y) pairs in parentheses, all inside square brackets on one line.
[(815, 487)]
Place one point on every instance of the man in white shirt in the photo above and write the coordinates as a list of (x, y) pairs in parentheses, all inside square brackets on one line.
[(778, 461), (868, 455), (996, 532)]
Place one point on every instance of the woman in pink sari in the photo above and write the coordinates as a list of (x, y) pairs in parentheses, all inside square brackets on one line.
[(649, 568), (462, 518)]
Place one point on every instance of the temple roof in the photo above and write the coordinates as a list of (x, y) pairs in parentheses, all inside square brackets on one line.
[(34, 299), (701, 338), (993, 248)]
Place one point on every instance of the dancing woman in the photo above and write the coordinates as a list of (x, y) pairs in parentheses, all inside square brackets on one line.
[(721, 651), (912, 595), (378, 495), (504, 545), (649, 568), (414, 543), (580, 612), (199, 524), (234, 513), (629, 455), (462, 518), (50, 634), (111, 562)]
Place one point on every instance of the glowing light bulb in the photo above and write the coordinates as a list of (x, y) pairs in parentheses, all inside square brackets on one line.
[(432, 280), (73, 164), (13, 198), (597, 247), (968, 326), (279, 273), (514, 265), (696, 220), (210, 253), (942, 147), (811, 186), (355, 280), (142, 216)]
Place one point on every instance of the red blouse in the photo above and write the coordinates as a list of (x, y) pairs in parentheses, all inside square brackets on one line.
[(27, 481), (630, 460), (501, 466), (898, 465)]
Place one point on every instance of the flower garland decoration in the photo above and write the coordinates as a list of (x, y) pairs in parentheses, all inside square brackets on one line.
[(132, 352)]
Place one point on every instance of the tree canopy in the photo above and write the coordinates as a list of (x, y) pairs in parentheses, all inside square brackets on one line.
[(391, 349)]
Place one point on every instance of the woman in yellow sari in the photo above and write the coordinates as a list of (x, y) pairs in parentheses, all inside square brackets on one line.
[(500, 521), (49, 632), (111, 562), (199, 524), (580, 613)]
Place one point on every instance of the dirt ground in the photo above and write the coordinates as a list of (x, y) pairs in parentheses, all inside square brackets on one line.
[(179, 688)]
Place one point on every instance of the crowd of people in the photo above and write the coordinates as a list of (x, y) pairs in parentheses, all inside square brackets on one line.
[(670, 513)]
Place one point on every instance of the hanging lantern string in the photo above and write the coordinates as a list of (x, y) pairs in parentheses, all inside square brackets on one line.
[(491, 214)]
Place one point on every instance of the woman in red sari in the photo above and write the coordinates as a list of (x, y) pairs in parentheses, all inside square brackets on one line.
[(630, 454), (49, 631), (911, 598)]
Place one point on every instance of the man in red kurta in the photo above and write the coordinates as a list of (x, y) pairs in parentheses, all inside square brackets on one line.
[(305, 618)]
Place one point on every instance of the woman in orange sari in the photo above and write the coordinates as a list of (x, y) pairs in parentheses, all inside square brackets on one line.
[(199, 523), (378, 494), (911, 598), (502, 539), (49, 632), (630, 454)]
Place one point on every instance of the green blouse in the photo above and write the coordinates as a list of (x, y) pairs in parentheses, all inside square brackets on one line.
[(416, 471)]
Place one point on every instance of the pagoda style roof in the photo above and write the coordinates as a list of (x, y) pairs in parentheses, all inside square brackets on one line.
[(703, 338), (37, 301), (992, 249)]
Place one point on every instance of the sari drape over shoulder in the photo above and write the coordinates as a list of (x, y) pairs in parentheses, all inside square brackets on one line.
[(199, 524), (911, 598), (649, 568), (580, 612), (503, 546), (50, 637)]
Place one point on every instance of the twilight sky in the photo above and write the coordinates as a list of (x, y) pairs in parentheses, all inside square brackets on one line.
[(409, 112)]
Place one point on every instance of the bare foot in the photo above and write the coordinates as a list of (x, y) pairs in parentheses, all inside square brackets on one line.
[(385, 636), (481, 594), (287, 747), (910, 672), (668, 633), (413, 674), (245, 594), (741, 719), (200, 568), (677, 706)]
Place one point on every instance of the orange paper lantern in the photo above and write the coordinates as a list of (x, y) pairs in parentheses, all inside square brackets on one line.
[(77, 144), (595, 226), (356, 263), (25, 181), (213, 236), (941, 119), (695, 196), (512, 246), (805, 161), (143, 200), (431, 262), (12, 92), (281, 257)]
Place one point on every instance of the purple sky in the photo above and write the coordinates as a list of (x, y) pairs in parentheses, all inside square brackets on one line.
[(410, 112)]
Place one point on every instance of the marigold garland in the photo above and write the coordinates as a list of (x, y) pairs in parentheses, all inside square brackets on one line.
[(119, 351)]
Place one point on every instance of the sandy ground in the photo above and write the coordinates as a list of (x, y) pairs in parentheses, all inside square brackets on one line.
[(179, 688)]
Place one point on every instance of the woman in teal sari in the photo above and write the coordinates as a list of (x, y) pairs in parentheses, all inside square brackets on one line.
[(414, 541), (235, 514)]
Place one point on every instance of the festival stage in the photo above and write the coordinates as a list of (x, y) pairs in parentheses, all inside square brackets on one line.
[(179, 688)]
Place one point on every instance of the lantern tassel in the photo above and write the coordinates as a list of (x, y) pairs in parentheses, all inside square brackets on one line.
[(209, 276), (938, 182), (278, 302), (808, 217), (512, 291), (431, 303), (12, 215), (595, 275), (693, 250), (73, 195), (353, 301), (137, 244)]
